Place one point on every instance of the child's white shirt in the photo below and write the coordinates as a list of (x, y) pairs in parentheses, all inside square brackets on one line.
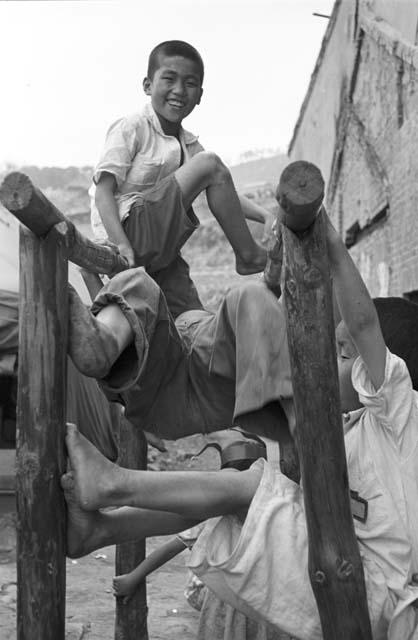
[(138, 154), (381, 442), (260, 566)]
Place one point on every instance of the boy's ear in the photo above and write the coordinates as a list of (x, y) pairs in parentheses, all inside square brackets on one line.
[(201, 94), (146, 85)]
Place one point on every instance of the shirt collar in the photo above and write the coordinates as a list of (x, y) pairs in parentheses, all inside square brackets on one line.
[(151, 116)]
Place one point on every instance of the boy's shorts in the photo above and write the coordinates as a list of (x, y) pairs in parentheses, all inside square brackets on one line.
[(158, 225)]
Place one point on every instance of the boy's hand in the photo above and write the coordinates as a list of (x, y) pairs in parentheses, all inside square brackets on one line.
[(127, 252)]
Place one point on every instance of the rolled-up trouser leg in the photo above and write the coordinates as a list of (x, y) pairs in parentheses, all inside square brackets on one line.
[(250, 345), (157, 347)]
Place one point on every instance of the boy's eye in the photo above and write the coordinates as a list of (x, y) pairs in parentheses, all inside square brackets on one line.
[(191, 83)]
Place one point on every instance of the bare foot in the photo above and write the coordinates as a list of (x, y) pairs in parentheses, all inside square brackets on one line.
[(94, 477), (82, 526), (91, 345), (253, 264)]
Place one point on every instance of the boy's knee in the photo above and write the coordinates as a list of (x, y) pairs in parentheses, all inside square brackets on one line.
[(133, 282), (253, 295), (213, 166)]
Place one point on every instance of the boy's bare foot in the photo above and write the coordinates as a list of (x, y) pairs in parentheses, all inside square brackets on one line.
[(94, 477), (91, 345), (82, 526), (253, 264)]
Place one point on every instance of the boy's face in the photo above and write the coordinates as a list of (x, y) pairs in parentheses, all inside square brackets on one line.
[(346, 355), (175, 89)]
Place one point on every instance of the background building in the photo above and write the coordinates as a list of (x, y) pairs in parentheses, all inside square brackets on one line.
[(359, 124)]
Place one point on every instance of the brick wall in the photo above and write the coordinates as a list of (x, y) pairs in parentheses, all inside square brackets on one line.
[(369, 154)]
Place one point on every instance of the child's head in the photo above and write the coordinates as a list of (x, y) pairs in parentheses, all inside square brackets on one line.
[(399, 324), (174, 81)]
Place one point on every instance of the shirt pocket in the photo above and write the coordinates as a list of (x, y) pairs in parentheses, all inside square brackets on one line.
[(381, 517), (144, 173)]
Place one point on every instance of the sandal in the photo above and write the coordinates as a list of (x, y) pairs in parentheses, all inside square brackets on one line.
[(241, 453)]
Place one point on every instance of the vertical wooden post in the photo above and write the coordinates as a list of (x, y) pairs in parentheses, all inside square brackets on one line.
[(131, 618), (40, 439), (335, 567)]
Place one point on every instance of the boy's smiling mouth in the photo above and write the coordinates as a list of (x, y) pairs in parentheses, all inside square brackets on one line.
[(176, 103)]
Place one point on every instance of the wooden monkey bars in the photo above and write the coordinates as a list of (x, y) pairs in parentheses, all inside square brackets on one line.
[(334, 562)]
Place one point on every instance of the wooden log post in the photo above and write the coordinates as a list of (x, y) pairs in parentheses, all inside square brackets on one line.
[(41, 414), (335, 567), (40, 439), (131, 618), (35, 211)]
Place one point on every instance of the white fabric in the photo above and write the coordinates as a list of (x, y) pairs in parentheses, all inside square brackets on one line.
[(139, 154), (189, 536), (260, 567)]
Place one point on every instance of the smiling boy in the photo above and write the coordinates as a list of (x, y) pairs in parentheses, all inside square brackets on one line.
[(150, 172)]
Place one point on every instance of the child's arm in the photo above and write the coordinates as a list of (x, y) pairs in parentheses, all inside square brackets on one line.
[(126, 584), (108, 210), (356, 307), (253, 211)]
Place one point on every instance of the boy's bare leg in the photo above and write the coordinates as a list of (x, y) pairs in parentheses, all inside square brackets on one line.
[(91, 530), (205, 171), (96, 342), (99, 483)]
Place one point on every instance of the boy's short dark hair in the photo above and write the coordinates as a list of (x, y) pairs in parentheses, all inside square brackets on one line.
[(174, 48), (399, 323)]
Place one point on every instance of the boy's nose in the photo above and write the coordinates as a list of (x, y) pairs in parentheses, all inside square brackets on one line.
[(179, 88)]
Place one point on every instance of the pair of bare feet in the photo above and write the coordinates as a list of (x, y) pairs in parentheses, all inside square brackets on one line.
[(86, 488)]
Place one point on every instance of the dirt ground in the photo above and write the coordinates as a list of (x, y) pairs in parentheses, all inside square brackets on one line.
[(90, 605)]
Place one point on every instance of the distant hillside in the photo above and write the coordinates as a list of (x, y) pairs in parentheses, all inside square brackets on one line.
[(208, 251), (246, 173), (260, 170), (58, 177)]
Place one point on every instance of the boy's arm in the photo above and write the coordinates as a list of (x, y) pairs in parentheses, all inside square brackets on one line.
[(253, 211), (109, 213), (156, 559), (356, 307)]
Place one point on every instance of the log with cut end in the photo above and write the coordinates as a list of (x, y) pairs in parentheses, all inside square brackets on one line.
[(33, 209), (335, 566), (300, 194)]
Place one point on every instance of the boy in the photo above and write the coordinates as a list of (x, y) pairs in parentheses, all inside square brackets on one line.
[(257, 560), (151, 171)]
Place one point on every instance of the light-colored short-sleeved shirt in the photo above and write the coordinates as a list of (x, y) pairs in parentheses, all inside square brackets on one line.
[(139, 154), (261, 566)]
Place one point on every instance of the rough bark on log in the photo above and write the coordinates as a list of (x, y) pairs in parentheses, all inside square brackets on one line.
[(40, 439), (35, 211), (300, 194), (335, 567), (131, 618)]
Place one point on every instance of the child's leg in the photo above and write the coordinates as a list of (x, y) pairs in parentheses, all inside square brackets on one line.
[(96, 342), (128, 318), (206, 171), (99, 483), (91, 530)]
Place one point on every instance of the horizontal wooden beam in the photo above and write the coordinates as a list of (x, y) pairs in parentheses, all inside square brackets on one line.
[(33, 209)]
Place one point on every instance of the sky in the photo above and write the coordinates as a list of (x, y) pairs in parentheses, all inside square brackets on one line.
[(69, 69)]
